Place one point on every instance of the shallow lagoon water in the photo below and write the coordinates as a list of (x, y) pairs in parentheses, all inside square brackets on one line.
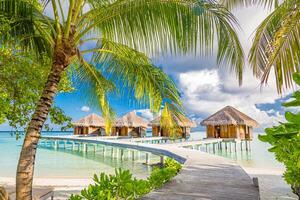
[(65, 163), (258, 157)]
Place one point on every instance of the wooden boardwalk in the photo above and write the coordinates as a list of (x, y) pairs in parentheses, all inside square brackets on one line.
[(203, 176), (206, 176)]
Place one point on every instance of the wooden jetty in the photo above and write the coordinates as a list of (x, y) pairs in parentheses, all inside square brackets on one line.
[(203, 176)]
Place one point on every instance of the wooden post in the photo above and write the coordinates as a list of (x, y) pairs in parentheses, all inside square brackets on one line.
[(249, 145), (235, 146), (132, 155), (162, 160), (122, 153), (241, 145), (56, 144), (117, 153), (147, 158), (246, 145), (85, 148), (128, 154)]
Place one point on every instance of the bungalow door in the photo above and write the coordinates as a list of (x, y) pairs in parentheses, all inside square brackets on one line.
[(217, 131)]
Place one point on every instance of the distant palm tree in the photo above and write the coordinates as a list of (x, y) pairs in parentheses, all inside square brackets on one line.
[(277, 41), (121, 30)]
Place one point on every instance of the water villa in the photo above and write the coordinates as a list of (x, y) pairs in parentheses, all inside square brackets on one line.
[(130, 125), (91, 124), (184, 123), (229, 123)]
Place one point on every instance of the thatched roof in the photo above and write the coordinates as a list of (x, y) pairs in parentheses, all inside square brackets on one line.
[(229, 115), (131, 120), (182, 121), (91, 120)]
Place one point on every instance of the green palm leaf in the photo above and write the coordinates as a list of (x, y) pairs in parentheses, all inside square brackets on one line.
[(28, 25), (96, 87), (133, 72), (276, 45), (167, 26)]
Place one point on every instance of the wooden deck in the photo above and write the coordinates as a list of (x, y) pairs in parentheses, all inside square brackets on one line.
[(203, 176)]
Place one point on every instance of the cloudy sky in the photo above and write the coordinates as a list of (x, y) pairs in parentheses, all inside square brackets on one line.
[(205, 88)]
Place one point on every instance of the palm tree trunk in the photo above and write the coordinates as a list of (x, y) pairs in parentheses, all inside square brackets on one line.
[(25, 168), (296, 190)]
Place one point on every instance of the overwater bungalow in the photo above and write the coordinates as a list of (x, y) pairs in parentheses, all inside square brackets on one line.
[(91, 124), (229, 123), (130, 125), (184, 123)]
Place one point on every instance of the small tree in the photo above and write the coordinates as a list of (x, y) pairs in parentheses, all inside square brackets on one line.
[(285, 141)]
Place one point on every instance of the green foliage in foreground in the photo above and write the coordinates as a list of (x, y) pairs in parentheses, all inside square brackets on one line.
[(285, 141), (123, 185), (173, 164), (22, 79)]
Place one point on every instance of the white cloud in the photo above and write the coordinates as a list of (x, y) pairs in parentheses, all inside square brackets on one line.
[(145, 113), (205, 92), (85, 109)]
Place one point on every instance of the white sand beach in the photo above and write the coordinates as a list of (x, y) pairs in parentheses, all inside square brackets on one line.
[(272, 186)]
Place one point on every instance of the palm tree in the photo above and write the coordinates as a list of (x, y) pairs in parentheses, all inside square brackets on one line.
[(276, 43), (123, 31)]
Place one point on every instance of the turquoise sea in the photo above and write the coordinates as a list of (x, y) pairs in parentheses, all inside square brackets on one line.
[(258, 157), (65, 163)]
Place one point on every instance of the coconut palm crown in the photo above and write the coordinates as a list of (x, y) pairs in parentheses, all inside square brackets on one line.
[(104, 43), (276, 43)]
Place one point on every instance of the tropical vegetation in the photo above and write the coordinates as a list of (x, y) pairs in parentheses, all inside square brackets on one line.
[(285, 140), (103, 45), (123, 185), (22, 79), (21, 83), (276, 44)]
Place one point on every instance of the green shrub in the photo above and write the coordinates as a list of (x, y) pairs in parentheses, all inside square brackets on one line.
[(159, 176), (285, 141), (119, 186), (123, 186), (171, 163)]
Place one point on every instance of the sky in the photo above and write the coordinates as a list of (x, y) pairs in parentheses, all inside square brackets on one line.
[(205, 88)]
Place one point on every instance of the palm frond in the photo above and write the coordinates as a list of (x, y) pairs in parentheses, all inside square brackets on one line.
[(133, 72), (167, 120), (96, 88), (276, 45), (167, 26), (29, 27)]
